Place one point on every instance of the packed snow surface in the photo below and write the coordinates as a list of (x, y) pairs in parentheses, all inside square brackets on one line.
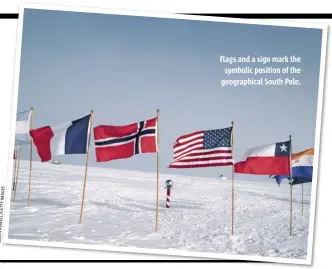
[(120, 210)]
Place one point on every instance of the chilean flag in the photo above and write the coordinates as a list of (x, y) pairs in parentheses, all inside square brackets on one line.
[(119, 142), (302, 167), (266, 160), (66, 138)]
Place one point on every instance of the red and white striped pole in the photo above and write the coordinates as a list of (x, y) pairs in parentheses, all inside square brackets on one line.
[(169, 184), (168, 198)]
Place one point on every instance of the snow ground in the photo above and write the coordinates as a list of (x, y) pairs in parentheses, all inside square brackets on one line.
[(120, 208)]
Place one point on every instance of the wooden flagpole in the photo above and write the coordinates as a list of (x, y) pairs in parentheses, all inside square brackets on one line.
[(17, 170), (86, 166), (14, 174), (233, 178), (157, 198), (302, 199), (291, 187), (31, 126)]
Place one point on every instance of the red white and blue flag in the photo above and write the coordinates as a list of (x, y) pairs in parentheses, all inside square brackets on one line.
[(120, 142), (266, 160), (203, 149), (63, 139)]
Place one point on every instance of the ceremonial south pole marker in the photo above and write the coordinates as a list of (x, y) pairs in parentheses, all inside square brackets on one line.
[(169, 184)]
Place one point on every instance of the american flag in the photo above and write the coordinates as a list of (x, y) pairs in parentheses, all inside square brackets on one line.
[(203, 149)]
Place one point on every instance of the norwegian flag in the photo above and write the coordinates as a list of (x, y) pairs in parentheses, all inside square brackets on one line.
[(120, 142)]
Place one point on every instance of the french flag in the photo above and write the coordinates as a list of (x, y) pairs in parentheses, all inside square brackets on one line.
[(266, 160), (63, 139)]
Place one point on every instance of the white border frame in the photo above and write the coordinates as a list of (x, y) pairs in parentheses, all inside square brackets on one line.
[(323, 27)]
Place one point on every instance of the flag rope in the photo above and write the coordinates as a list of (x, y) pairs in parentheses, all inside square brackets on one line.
[(23, 112)]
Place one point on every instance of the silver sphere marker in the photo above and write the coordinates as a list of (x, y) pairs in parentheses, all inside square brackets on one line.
[(169, 184)]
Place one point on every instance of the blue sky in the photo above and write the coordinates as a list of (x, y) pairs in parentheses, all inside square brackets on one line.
[(126, 67)]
